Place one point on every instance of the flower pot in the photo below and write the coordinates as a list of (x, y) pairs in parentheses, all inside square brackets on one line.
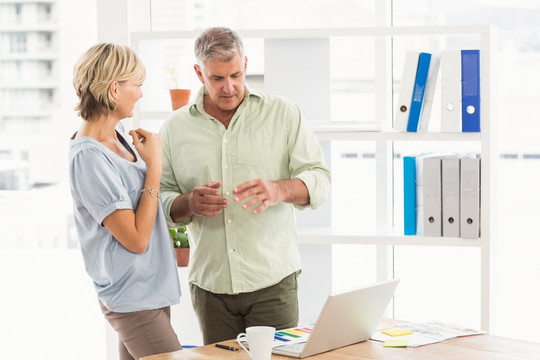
[(182, 256), (179, 97)]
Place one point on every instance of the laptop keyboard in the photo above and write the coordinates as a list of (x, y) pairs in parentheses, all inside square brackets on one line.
[(297, 348)]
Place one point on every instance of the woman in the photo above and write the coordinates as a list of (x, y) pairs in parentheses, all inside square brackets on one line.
[(121, 225)]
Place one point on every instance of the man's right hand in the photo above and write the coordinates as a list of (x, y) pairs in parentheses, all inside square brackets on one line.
[(206, 200)]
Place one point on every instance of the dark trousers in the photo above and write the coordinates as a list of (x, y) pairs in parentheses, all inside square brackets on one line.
[(223, 317)]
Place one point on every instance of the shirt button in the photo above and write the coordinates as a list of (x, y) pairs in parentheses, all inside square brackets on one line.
[(227, 193), (226, 166), (231, 250), (225, 140), (229, 221)]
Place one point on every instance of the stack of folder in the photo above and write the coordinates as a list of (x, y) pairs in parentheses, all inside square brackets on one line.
[(441, 195), (460, 91)]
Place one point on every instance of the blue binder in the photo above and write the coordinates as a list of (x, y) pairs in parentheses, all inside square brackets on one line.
[(419, 90), (470, 90), (409, 195)]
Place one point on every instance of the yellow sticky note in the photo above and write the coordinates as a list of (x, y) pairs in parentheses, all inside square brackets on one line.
[(397, 332), (396, 343)]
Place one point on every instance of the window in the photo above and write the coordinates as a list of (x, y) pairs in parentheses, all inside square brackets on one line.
[(18, 43), (18, 12), (44, 12), (36, 121)]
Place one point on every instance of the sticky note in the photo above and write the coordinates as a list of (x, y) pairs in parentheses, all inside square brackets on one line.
[(397, 332), (396, 343)]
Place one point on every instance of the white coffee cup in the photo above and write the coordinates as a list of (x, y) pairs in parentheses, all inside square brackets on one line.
[(260, 340)]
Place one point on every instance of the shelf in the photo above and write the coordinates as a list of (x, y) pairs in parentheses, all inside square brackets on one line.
[(326, 32), (327, 235), (357, 132), (379, 131), (326, 135)]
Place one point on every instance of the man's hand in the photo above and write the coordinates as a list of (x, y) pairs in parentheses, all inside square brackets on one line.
[(269, 193), (206, 200), (258, 191)]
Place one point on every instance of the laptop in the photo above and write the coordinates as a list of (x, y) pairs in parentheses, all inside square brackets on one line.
[(346, 318)]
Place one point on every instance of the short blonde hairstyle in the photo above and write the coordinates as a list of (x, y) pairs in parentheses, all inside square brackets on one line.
[(96, 70)]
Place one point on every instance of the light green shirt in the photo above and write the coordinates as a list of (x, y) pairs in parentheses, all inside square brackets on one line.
[(267, 138)]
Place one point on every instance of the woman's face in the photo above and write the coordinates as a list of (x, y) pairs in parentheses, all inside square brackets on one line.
[(129, 92)]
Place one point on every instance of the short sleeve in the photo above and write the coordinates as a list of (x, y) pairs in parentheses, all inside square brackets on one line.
[(97, 185)]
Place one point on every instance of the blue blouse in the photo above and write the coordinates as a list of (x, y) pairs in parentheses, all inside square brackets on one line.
[(102, 182)]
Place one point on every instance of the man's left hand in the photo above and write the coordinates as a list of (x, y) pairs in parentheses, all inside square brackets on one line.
[(257, 191)]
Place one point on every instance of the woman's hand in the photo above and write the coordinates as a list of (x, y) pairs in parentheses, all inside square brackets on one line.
[(133, 229), (149, 145)]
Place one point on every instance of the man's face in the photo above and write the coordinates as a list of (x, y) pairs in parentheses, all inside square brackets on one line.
[(224, 81)]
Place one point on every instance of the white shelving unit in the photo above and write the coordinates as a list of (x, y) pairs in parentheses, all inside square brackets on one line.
[(386, 235)]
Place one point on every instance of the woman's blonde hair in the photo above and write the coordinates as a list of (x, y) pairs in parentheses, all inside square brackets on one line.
[(96, 70)]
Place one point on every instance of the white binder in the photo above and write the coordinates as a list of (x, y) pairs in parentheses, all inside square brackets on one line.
[(450, 196), (432, 196), (451, 91), (470, 197), (420, 192), (401, 117), (429, 94)]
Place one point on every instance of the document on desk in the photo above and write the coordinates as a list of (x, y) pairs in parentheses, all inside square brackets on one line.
[(425, 333), (293, 335)]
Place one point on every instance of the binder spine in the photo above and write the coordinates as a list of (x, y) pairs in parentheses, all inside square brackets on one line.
[(409, 195), (432, 197), (470, 198), (419, 90), (406, 91), (451, 91), (470, 90)]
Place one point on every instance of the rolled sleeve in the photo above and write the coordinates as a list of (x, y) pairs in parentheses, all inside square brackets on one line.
[(91, 172), (318, 185), (307, 160)]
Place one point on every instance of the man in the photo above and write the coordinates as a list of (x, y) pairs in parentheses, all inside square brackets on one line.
[(235, 164)]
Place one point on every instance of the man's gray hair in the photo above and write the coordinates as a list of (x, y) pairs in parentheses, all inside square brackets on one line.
[(218, 44)]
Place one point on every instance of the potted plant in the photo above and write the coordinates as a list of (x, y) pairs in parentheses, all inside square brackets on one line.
[(181, 245), (179, 97)]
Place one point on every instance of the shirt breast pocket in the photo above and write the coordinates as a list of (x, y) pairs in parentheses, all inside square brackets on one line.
[(254, 148)]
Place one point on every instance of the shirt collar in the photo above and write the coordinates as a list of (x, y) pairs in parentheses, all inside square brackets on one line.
[(198, 104)]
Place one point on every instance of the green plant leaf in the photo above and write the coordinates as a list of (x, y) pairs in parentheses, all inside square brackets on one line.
[(183, 239), (179, 237), (171, 72)]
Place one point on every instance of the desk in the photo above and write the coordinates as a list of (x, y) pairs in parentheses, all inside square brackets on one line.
[(475, 347)]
